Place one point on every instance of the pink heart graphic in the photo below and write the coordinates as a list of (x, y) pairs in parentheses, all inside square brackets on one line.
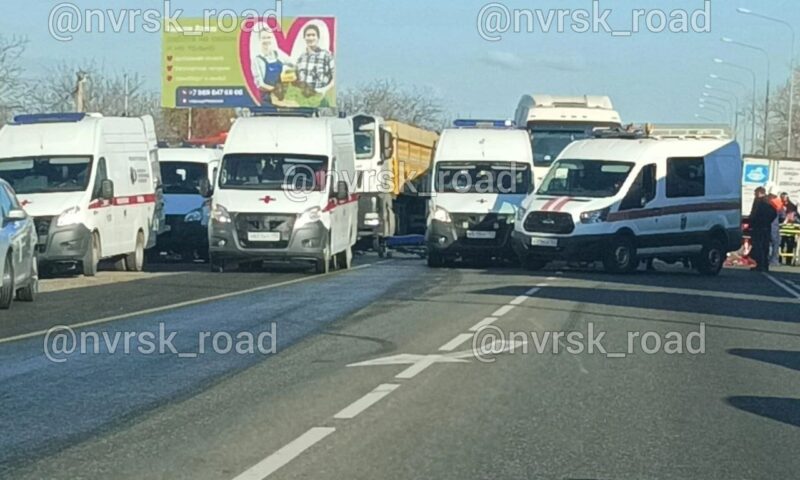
[(285, 43)]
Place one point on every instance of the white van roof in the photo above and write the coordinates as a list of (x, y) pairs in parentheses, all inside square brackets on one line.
[(297, 135), (194, 155), (484, 144), (642, 150), (78, 134)]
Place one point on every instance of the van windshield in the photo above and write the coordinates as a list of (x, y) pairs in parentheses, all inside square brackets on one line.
[(483, 177), (46, 174), (249, 171), (183, 177), (585, 178)]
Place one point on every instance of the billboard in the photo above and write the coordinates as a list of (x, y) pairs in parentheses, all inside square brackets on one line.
[(257, 62)]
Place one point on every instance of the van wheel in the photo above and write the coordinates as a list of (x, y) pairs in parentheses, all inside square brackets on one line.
[(28, 293), (323, 265), (711, 258), (135, 261), (435, 260), (533, 264), (92, 257), (344, 260), (216, 265), (7, 287), (620, 255)]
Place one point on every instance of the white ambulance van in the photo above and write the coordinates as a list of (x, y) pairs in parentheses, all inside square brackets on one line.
[(482, 171), (283, 193), (90, 182), (630, 197)]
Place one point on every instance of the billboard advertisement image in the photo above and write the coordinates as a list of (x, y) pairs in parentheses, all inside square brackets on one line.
[(259, 62)]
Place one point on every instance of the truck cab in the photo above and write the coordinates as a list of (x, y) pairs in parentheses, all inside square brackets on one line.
[(553, 122)]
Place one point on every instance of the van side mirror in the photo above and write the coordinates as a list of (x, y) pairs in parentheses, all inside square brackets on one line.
[(342, 192), (107, 190), (15, 215), (205, 188)]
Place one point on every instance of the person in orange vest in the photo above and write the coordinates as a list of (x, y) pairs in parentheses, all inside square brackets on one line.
[(775, 233)]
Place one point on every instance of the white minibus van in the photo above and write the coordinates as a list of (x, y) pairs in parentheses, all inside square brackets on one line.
[(482, 171), (636, 197), (283, 193), (91, 184)]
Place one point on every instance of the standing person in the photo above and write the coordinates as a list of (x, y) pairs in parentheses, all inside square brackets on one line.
[(761, 217), (267, 67), (315, 67), (789, 243), (775, 237)]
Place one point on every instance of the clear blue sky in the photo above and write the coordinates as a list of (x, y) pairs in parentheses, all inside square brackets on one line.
[(650, 76)]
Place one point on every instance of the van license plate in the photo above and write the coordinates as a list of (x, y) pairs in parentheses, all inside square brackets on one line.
[(544, 242), (477, 235), (264, 236)]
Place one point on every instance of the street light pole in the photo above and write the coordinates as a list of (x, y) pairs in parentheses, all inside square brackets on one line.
[(743, 110), (752, 73), (736, 105), (766, 97), (790, 120)]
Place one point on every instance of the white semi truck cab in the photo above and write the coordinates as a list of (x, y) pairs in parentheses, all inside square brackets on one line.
[(554, 122)]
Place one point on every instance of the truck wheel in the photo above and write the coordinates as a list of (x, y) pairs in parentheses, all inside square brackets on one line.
[(620, 255), (7, 287), (711, 259), (135, 261), (533, 264), (92, 257), (28, 293)]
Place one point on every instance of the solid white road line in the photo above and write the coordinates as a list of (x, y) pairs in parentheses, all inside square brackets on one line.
[(366, 401), (269, 465), (174, 306), (503, 310), (782, 285), (483, 323), (454, 343)]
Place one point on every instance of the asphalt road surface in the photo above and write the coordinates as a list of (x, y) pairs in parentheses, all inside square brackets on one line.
[(396, 371)]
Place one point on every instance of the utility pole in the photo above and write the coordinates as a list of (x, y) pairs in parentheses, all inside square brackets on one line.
[(189, 128), (127, 94), (80, 92)]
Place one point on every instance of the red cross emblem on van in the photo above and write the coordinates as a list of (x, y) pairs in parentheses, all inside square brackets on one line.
[(268, 199)]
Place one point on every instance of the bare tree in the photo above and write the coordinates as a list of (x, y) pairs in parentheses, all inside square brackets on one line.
[(104, 92), (11, 82), (385, 98)]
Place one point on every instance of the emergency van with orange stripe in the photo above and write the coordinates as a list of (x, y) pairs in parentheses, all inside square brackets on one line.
[(90, 182), (627, 197), (283, 193)]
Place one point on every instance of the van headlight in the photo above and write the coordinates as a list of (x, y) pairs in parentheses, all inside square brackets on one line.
[(220, 214), (194, 216), (70, 216), (312, 215), (595, 216), (441, 215)]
